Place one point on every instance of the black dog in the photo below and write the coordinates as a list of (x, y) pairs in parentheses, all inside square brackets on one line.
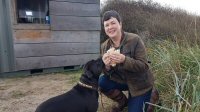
[(81, 98)]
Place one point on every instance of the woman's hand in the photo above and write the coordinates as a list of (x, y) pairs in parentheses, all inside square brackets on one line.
[(106, 60), (117, 57)]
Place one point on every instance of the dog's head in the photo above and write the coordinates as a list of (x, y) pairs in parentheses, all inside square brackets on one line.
[(92, 70)]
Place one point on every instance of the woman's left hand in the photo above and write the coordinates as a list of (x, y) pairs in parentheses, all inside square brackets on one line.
[(117, 57)]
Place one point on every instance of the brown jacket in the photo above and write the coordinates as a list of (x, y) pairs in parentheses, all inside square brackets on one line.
[(135, 69)]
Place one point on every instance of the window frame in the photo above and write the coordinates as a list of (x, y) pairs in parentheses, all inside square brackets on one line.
[(30, 26)]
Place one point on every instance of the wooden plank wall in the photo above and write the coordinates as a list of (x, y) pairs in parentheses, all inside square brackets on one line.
[(74, 16), (73, 37), (6, 41)]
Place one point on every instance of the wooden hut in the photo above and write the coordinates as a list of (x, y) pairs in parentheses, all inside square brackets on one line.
[(39, 35)]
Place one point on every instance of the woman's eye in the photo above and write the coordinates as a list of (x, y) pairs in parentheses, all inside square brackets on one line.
[(106, 25), (113, 23)]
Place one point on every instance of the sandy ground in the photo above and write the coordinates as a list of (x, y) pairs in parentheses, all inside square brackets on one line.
[(25, 94)]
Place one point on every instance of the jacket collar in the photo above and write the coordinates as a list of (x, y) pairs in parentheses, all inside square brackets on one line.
[(110, 42)]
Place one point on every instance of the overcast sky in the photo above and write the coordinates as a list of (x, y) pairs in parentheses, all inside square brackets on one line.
[(192, 6)]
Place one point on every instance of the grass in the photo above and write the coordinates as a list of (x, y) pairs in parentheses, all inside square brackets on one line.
[(177, 73), (74, 75), (18, 94)]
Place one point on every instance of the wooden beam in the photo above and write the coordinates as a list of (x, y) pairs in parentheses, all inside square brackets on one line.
[(31, 27), (6, 42), (46, 36)]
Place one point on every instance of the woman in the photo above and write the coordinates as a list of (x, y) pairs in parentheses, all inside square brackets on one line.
[(126, 66)]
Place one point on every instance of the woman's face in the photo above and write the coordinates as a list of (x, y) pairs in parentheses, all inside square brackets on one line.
[(112, 27)]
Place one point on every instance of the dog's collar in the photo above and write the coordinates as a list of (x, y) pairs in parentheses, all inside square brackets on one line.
[(87, 86)]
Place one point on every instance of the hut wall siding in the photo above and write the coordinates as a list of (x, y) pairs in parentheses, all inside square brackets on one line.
[(31, 36), (73, 9), (55, 49), (53, 61), (71, 39), (79, 1), (65, 15), (76, 36), (75, 23)]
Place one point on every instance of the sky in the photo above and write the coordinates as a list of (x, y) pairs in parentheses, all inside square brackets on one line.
[(191, 6)]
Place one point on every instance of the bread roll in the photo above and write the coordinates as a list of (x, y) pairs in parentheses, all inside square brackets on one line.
[(112, 49)]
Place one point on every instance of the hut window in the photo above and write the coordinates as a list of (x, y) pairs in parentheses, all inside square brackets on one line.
[(33, 11)]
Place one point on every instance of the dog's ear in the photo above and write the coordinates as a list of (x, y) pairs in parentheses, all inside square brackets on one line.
[(89, 74), (87, 67)]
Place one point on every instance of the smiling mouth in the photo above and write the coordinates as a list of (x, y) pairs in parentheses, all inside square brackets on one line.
[(111, 32)]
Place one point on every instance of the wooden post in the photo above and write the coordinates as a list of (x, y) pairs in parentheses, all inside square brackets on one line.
[(6, 41)]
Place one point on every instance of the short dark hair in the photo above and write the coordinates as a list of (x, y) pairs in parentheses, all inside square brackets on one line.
[(111, 13)]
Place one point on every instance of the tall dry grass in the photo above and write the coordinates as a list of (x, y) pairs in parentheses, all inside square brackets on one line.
[(177, 72)]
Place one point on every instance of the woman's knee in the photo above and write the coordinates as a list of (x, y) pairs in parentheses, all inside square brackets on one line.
[(103, 80)]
